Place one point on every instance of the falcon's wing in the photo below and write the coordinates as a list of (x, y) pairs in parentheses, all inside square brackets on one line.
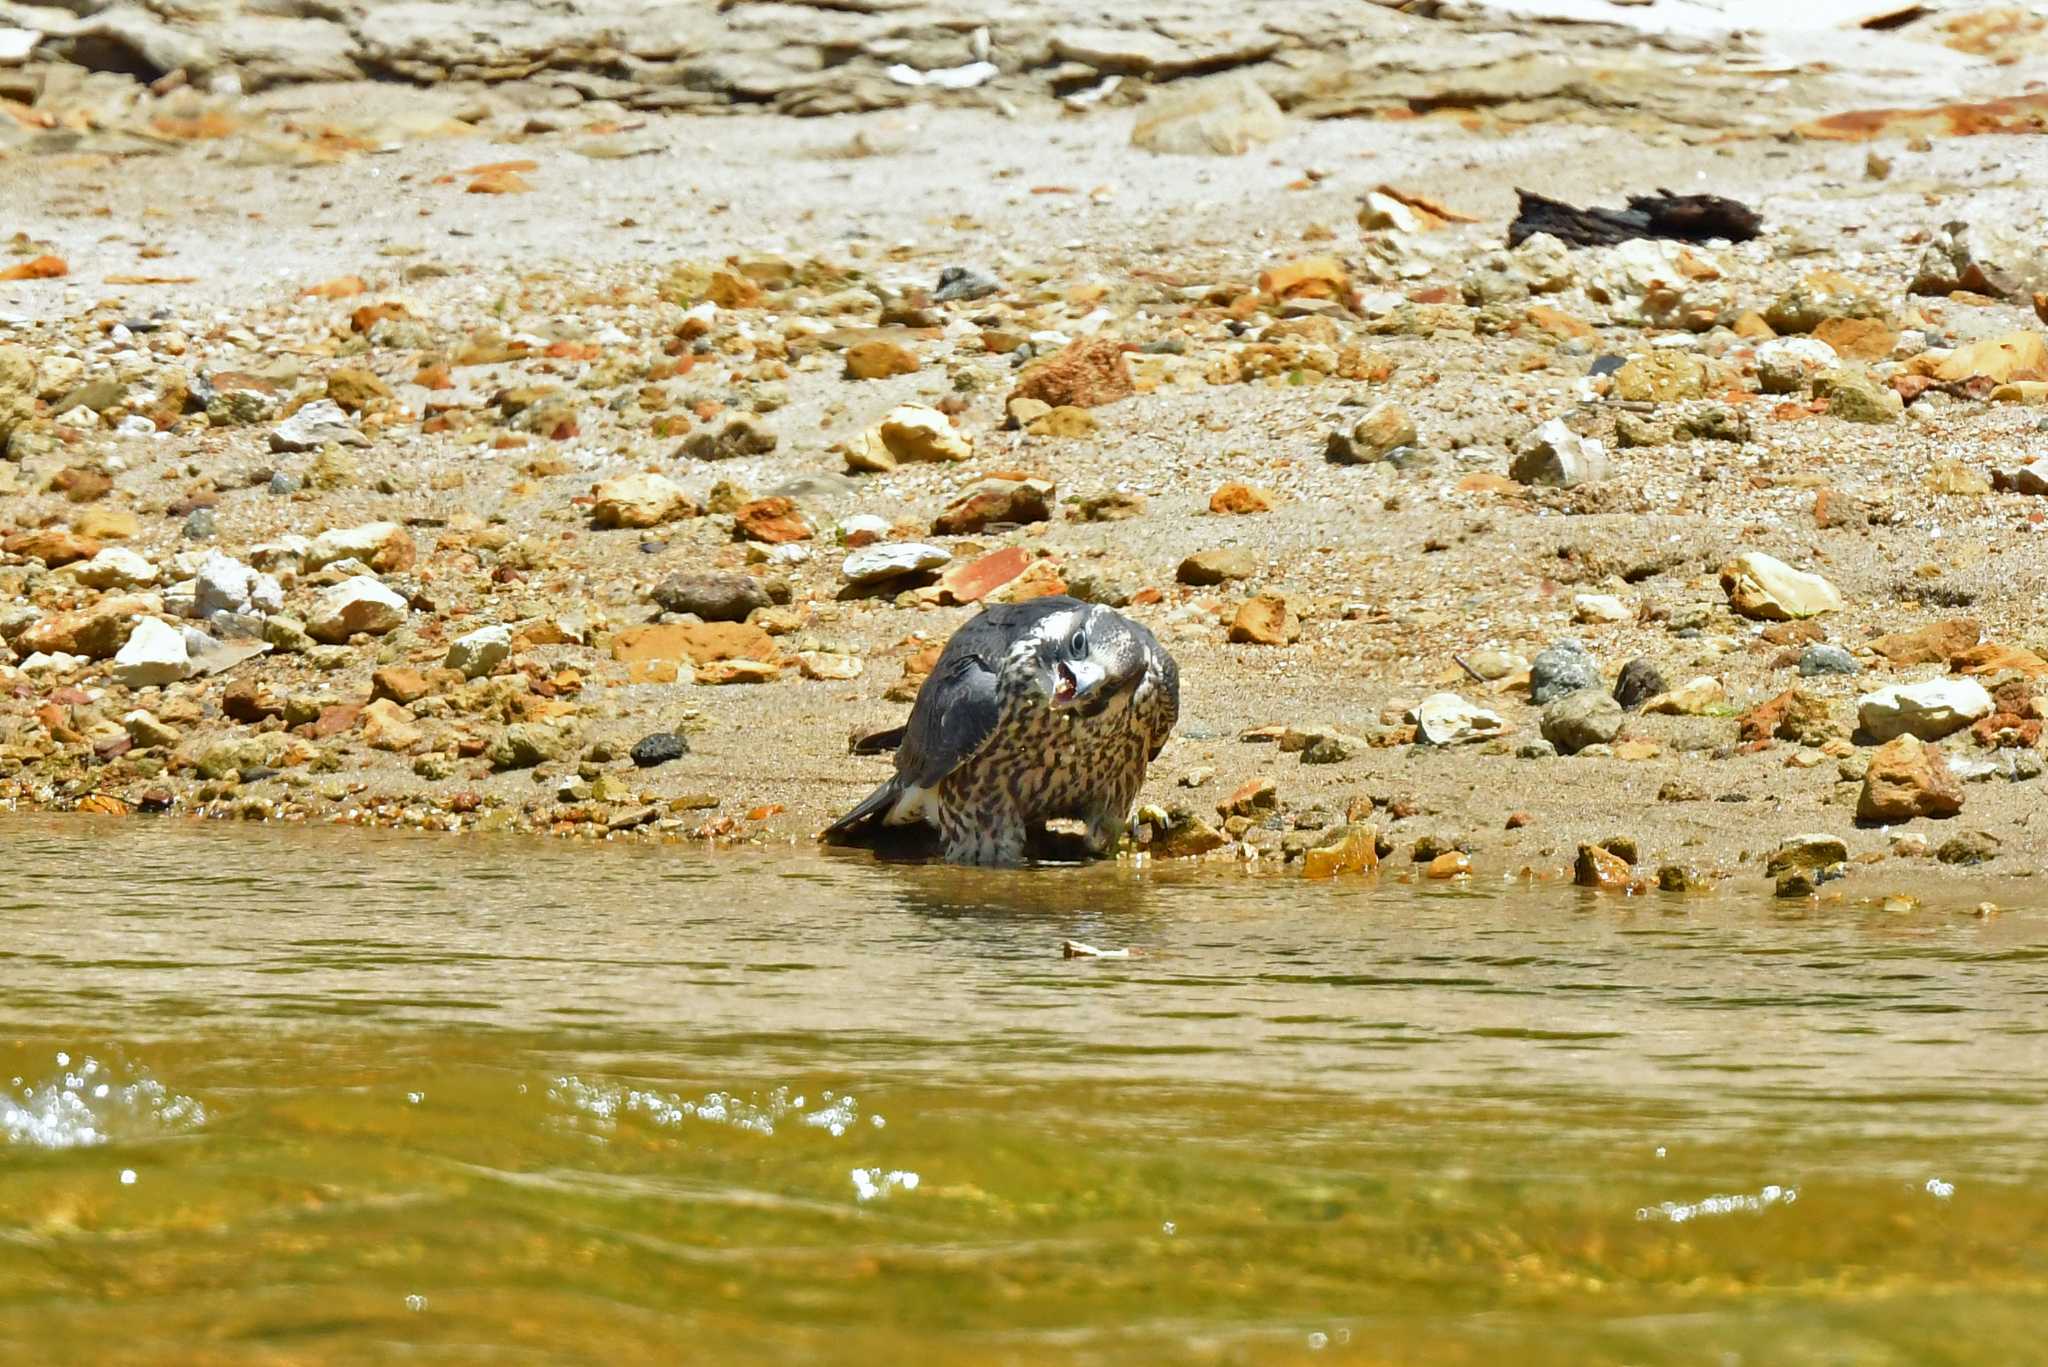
[(957, 708), (1166, 701)]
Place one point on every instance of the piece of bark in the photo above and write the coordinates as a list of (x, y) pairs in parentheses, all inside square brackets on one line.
[(1683, 218)]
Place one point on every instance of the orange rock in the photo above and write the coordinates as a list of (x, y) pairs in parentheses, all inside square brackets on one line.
[(2012, 356), (1857, 339), (730, 291), (771, 520), (1086, 374), (977, 579), (1558, 323), (1237, 498), (1254, 795), (53, 546), (1993, 658), (1266, 620), (1449, 864), (1752, 327), (1041, 579), (695, 643), (879, 359), (1357, 851), (1598, 868), (1908, 777), (41, 268), (341, 287), (1935, 643), (1791, 715), (500, 180), (1311, 277)]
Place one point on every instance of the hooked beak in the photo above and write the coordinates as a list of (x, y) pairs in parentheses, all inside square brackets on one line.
[(1075, 683)]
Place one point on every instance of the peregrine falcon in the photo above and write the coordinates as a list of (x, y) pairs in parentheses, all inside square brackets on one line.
[(1036, 711)]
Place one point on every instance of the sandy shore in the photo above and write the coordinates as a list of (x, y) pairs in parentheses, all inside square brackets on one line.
[(554, 330)]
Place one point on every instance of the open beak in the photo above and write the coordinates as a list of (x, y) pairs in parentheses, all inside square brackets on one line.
[(1076, 683)]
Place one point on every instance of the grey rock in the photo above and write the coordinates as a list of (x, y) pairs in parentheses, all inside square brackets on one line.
[(524, 745), (659, 748), (713, 595), (1563, 668), (1577, 720), (1821, 658), (958, 284), (1639, 682), (200, 525)]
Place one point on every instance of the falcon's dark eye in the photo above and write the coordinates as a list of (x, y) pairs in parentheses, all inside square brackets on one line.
[(1079, 645)]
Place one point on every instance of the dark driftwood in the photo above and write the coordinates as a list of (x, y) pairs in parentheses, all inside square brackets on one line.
[(1687, 218)]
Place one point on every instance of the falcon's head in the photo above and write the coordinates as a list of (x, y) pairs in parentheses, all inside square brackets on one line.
[(1086, 659)]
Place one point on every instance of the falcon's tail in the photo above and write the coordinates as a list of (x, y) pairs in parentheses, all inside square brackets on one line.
[(873, 811)]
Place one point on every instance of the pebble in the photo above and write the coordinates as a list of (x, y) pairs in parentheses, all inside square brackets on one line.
[(712, 595), (1384, 429), (1555, 455), (659, 748), (1599, 608), (479, 652), (153, 655), (1929, 710), (1564, 667), (358, 606), (1821, 659), (1908, 778), (1207, 568), (908, 432), (891, 560), (1638, 683), (316, 425), (1764, 587), (640, 500), (962, 284), (1577, 720), (1448, 719), (1265, 620)]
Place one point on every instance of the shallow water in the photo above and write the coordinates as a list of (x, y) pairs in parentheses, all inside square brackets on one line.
[(312, 1097)]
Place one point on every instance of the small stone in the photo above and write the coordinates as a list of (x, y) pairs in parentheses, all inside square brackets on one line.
[(1380, 432), (742, 435), (1186, 836), (94, 633), (386, 547), (1971, 847), (1762, 586), (1563, 668), (1556, 456), (993, 501), (640, 500), (1596, 608), (1065, 421), (1599, 868), (116, 567), (1238, 499), (154, 655), (832, 665), (907, 432), (772, 521), (403, 686), (1853, 396), (1694, 698), (1822, 659), (1935, 643), (1113, 505), (1929, 710), (879, 359), (1085, 374), (147, 732), (1354, 851), (1664, 375), (1787, 365), (53, 546), (387, 726), (1266, 620), (358, 606), (1577, 720), (1813, 853), (1334, 747), (316, 425), (479, 652), (525, 745), (1447, 719), (712, 595), (2009, 356), (1639, 682), (1908, 778), (1206, 568), (960, 284), (1218, 116), (891, 560), (659, 748)]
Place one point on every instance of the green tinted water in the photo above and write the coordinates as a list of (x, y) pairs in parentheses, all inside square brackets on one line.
[(336, 1098)]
